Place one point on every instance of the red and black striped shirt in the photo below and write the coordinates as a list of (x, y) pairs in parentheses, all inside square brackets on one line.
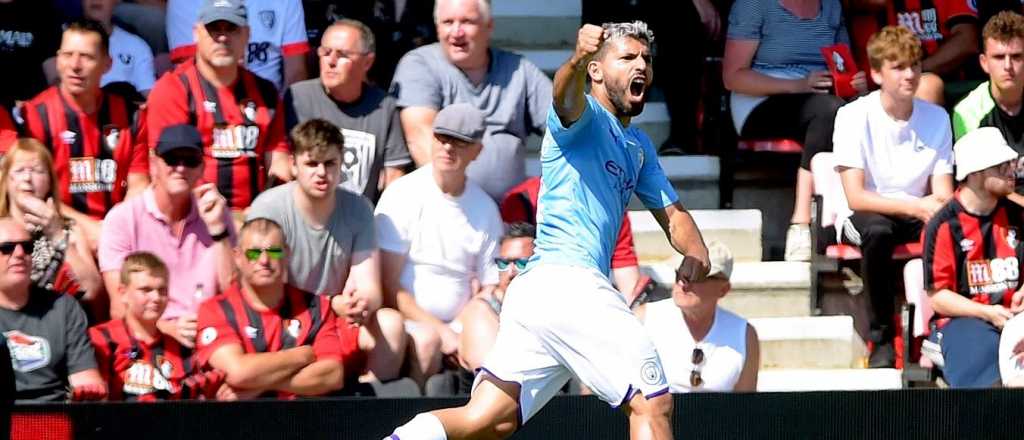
[(135, 370), (92, 153), (975, 256), (240, 125)]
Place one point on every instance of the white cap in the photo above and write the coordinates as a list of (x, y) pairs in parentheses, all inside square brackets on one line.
[(979, 149)]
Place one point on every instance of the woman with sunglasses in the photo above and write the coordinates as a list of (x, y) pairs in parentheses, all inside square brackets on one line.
[(703, 347), (61, 260)]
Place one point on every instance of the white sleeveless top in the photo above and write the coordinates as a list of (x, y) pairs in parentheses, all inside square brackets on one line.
[(725, 347)]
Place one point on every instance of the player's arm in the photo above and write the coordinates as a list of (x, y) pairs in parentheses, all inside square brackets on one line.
[(571, 78), (259, 371), (752, 363), (419, 136), (961, 46), (684, 236)]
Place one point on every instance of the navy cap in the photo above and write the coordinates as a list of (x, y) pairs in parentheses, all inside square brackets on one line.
[(232, 11), (461, 121), (179, 136)]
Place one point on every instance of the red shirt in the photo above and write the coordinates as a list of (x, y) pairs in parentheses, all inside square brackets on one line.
[(135, 370), (8, 131), (92, 153), (977, 257), (931, 20), (301, 319), (240, 125), (520, 205)]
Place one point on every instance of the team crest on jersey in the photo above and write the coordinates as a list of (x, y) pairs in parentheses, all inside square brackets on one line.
[(207, 336), (248, 109), (294, 326), (28, 353), (1011, 238), (126, 58), (650, 372), (111, 136), (966, 245), (68, 137), (268, 18), (251, 332), (210, 106)]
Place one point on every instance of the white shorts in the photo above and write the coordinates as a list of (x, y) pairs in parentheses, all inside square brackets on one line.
[(562, 321), (1013, 332)]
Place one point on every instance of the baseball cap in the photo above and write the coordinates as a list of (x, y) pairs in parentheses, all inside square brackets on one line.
[(232, 11), (460, 121), (178, 136), (720, 258), (979, 149)]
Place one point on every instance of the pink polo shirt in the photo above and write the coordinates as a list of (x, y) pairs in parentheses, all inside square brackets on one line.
[(137, 225)]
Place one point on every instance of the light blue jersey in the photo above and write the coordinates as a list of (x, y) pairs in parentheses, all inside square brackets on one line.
[(589, 172)]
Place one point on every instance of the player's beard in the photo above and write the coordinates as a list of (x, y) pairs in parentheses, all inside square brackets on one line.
[(617, 94)]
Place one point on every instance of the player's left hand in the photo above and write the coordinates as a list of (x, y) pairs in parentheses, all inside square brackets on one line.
[(694, 267), (211, 206)]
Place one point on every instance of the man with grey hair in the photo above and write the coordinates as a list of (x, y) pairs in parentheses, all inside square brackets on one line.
[(375, 152), (593, 162), (462, 67)]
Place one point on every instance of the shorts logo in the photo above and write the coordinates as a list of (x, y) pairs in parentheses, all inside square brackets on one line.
[(208, 335), (28, 353), (650, 372)]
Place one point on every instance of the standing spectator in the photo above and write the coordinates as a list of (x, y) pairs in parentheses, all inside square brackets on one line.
[(891, 149), (98, 145), (45, 332), (239, 114), (971, 261), (332, 243), (31, 35), (186, 224), (61, 259), (131, 57), (702, 346), (375, 152), (439, 235), (462, 68), (998, 102), (137, 362), (780, 86), (277, 45), (294, 347)]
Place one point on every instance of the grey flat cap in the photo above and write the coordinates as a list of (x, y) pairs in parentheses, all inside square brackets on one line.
[(461, 121)]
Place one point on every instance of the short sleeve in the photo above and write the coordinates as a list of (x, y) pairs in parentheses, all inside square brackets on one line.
[(414, 83), (213, 331), (168, 95), (847, 140), (960, 127), (396, 152), (268, 205), (939, 261), (140, 150), (366, 234), (276, 141), (944, 159), (116, 237), (79, 353), (538, 97), (746, 20), (294, 41), (327, 343), (565, 136), (143, 75), (652, 187), (391, 220)]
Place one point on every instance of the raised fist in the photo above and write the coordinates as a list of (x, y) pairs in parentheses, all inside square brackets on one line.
[(588, 41)]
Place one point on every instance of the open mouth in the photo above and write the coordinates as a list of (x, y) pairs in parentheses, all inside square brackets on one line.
[(637, 86)]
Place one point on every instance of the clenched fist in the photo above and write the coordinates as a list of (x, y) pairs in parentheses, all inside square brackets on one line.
[(588, 41), (211, 206)]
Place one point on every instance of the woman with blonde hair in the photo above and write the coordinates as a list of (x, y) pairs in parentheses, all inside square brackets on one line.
[(60, 260)]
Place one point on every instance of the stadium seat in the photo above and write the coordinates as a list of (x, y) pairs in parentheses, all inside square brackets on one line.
[(915, 317), (770, 145)]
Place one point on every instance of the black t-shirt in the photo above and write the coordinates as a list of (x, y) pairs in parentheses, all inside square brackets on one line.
[(30, 33), (48, 341)]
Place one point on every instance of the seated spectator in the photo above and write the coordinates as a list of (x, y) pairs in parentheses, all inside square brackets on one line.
[(61, 259), (463, 67), (276, 43), (239, 114), (185, 225), (998, 101), (295, 347), (971, 267), (480, 316), (375, 153), (781, 86), (705, 347), (98, 149), (438, 234), (131, 57), (34, 34), (520, 205), (137, 362), (332, 244), (891, 149), (45, 332), (948, 30)]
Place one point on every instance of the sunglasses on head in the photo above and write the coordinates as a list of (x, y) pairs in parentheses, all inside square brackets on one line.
[(188, 160), (275, 253), (506, 263), (697, 359), (7, 247)]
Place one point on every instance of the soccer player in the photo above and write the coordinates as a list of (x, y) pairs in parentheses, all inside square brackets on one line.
[(561, 316)]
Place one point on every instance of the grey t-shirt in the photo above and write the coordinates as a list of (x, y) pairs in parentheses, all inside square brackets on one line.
[(372, 131), (319, 259), (515, 97), (48, 341)]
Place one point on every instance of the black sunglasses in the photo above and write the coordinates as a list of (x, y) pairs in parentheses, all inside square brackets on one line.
[(188, 160), (7, 247), (697, 359), (506, 263)]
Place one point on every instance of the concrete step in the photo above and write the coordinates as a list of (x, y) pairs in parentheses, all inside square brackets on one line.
[(813, 342), (535, 23), (739, 229), (829, 380)]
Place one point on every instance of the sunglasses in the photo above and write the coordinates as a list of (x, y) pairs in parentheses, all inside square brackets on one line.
[(188, 160), (7, 247), (505, 263), (275, 253), (697, 359)]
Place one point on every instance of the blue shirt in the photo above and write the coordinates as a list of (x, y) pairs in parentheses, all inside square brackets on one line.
[(589, 171)]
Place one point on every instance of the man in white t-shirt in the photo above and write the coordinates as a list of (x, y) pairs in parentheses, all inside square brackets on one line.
[(891, 149), (438, 233), (277, 37), (131, 56)]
